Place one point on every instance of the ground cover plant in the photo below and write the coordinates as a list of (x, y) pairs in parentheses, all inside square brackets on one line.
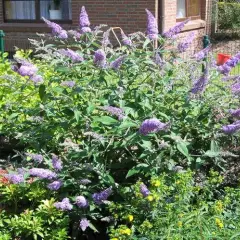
[(121, 140)]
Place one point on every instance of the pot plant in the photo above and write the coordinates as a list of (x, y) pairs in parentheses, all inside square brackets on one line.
[(54, 10)]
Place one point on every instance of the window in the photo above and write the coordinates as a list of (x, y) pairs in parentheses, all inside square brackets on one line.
[(188, 8), (34, 10)]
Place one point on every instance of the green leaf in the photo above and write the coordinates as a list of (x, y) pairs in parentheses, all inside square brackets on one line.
[(182, 147), (211, 154), (93, 227), (77, 115), (42, 91), (105, 120), (137, 169), (108, 179), (126, 125)]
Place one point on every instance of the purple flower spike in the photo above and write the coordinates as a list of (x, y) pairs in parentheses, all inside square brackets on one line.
[(84, 224), (56, 162), (202, 54), (144, 190), (183, 46), (152, 125), (86, 30), (152, 26), (226, 68), (83, 19), (236, 88), (158, 60), (63, 34), (75, 57), (231, 128), (56, 29), (114, 111), (175, 30), (65, 205), (126, 40), (100, 58), (27, 69), (54, 186), (81, 202), (37, 79), (116, 64), (15, 178), (36, 157), (70, 84), (100, 197), (85, 181), (42, 173), (200, 85), (235, 113)]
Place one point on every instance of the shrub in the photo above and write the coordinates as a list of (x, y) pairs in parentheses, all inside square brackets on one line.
[(93, 119)]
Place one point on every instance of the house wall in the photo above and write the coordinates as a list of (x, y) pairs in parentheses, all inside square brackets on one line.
[(128, 14)]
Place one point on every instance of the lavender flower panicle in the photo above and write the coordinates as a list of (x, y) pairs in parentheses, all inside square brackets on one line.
[(54, 186), (27, 69), (100, 197), (36, 157), (231, 128), (144, 190), (42, 173), (183, 46), (83, 18), (105, 40), (84, 224), (236, 88), (126, 40), (74, 56), (152, 125), (152, 26), (56, 29), (116, 64), (70, 84), (81, 202), (85, 181), (37, 79), (202, 54), (175, 30), (200, 85), (75, 34), (232, 78), (94, 135), (115, 111), (64, 205), (100, 58), (235, 113), (158, 60), (15, 178), (229, 64), (56, 162)]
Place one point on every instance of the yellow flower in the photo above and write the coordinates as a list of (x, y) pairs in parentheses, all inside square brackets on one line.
[(180, 224), (114, 238), (181, 215), (150, 198), (178, 182), (126, 231), (219, 223), (156, 183), (130, 218)]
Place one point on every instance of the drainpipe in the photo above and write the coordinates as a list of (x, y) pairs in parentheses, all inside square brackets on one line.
[(2, 35), (161, 15)]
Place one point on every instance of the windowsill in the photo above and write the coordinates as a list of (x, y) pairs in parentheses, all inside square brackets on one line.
[(28, 27), (194, 24)]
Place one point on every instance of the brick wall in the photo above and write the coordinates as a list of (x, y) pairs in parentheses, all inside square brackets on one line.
[(128, 14)]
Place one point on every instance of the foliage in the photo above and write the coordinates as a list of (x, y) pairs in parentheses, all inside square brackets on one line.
[(79, 148), (228, 15)]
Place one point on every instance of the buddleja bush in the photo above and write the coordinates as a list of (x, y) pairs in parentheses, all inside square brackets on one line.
[(92, 117)]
